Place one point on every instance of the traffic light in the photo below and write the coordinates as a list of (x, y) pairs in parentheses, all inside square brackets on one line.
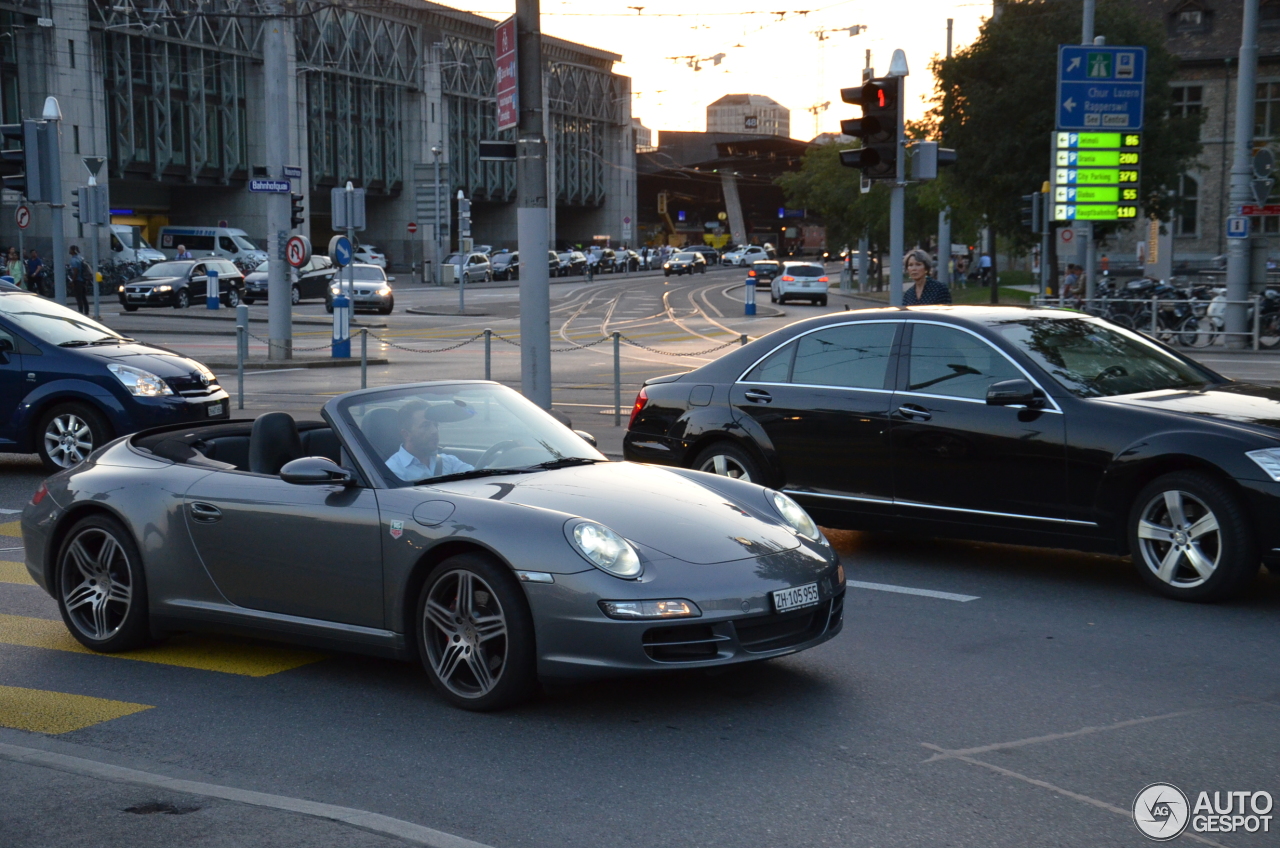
[(76, 197), (878, 128), (297, 215), (20, 159), (1031, 212)]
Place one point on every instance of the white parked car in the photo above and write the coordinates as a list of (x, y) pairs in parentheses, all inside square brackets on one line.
[(370, 255), (800, 281), (744, 255)]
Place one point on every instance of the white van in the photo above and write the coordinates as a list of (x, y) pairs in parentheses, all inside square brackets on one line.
[(226, 242), (128, 245)]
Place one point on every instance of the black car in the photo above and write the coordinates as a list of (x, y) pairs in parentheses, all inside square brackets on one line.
[(506, 265), (313, 281), (181, 282), (1010, 424), (763, 271), (684, 262), (572, 263), (709, 253)]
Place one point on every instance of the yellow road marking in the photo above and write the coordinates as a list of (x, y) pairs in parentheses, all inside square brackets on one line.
[(15, 572), (188, 651), (11, 528), (58, 712)]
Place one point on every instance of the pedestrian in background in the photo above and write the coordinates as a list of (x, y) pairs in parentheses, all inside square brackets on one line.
[(923, 290), (78, 276), (35, 272), (984, 268), (15, 268), (183, 253)]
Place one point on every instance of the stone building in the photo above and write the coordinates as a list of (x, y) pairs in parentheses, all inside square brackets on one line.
[(749, 114)]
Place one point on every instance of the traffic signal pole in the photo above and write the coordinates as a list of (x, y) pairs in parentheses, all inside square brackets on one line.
[(1088, 247), (1241, 175), (532, 218), (897, 209), (275, 72)]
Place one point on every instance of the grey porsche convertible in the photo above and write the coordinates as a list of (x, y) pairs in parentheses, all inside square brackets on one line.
[(455, 524)]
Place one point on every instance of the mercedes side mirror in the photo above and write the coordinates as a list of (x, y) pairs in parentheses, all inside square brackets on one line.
[(316, 471), (1014, 393)]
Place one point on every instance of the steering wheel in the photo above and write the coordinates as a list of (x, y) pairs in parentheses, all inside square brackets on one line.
[(1111, 371), (488, 456)]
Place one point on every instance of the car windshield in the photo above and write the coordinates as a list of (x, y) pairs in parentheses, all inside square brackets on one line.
[(1090, 358), (425, 433), (805, 270), (167, 269), (53, 323), (765, 266), (243, 243), (368, 272), (686, 257)]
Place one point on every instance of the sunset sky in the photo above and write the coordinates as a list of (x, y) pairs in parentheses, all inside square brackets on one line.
[(765, 52)]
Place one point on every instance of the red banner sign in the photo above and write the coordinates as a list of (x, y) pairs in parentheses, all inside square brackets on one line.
[(1254, 209), (506, 75)]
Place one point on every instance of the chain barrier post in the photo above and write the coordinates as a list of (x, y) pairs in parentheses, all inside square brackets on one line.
[(617, 379), (364, 358), (742, 340), (749, 301), (341, 347), (488, 353), (242, 351)]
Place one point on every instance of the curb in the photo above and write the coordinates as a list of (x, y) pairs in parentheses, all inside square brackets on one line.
[(289, 364), (231, 316), (455, 314)]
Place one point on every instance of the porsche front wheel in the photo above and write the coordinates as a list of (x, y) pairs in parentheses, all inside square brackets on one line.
[(475, 634)]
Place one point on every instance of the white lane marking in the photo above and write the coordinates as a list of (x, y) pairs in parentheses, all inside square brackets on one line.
[(408, 831), (255, 372), (10, 511), (908, 590)]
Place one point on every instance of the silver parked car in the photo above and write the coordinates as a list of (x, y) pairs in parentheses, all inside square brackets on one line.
[(455, 524), (370, 290)]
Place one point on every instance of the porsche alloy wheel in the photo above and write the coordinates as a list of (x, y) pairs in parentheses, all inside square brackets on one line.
[(101, 589), (475, 634)]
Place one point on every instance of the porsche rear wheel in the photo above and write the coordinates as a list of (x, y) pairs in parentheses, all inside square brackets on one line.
[(102, 591), (475, 634)]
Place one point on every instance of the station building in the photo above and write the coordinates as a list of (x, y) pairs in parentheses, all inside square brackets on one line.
[(170, 92)]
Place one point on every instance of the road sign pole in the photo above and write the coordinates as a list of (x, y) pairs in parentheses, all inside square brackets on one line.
[(1241, 175), (897, 209), (276, 46), (1088, 250)]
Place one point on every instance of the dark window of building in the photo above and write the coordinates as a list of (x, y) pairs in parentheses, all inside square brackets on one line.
[(75, 137), (1190, 17), (1267, 110), (71, 51), (1188, 206), (1269, 13), (1188, 100)]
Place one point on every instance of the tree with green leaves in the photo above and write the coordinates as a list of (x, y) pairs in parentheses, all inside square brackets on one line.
[(996, 98)]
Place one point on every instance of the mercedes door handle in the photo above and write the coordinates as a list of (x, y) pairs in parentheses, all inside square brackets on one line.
[(915, 413), (205, 513), (759, 396)]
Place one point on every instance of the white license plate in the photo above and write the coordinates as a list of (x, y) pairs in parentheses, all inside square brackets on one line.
[(215, 409), (136, 296), (798, 597)]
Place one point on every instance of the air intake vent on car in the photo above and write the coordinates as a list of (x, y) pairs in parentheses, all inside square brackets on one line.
[(683, 643)]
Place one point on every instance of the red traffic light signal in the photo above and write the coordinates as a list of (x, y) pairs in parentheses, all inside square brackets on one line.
[(877, 128)]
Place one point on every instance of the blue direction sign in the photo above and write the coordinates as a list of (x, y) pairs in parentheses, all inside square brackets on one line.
[(278, 186), (1101, 88), (340, 251)]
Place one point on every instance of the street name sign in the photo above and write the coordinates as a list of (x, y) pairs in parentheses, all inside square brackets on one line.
[(293, 172), (1101, 88), (273, 186)]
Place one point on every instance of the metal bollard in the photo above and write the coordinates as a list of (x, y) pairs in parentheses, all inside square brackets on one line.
[(617, 379), (749, 298), (1155, 317), (364, 358), (212, 294), (488, 353), (242, 351), (742, 340), (341, 348)]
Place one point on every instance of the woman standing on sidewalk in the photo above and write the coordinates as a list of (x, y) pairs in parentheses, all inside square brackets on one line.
[(924, 290), (15, 267)]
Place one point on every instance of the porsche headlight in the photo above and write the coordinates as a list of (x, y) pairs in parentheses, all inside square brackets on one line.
[(796, 518), (1268, 460), (139, 383), (605, 549)]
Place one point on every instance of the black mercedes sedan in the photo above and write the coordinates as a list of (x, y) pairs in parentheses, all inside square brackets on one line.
[(1010, 424)]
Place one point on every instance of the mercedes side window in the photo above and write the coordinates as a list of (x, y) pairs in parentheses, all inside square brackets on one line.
[(853, 356), (774, 368), (949, 362)]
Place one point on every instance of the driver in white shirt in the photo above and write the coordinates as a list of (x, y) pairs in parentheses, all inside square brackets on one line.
[(419, 457)]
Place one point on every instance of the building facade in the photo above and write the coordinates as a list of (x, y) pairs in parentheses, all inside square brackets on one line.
[(749, 114), (171, 94)]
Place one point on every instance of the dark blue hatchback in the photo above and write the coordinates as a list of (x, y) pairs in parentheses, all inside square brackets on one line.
[(68, 384)]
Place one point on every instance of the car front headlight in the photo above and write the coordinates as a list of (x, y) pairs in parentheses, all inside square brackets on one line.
[(120, 289), (1268, 459), (139, 383), (384, 291), (796, 518), (164, 288), (335, 289), (605, 549)]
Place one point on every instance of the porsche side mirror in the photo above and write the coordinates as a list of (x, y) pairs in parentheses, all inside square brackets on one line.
[(1014, 393), (587, 437), (315, 471)]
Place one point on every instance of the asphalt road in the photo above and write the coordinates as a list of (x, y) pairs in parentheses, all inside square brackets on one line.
[(980, 695)]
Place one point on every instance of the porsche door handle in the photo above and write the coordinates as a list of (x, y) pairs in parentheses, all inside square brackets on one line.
[(759, 396), (915, 413), (205, 513)]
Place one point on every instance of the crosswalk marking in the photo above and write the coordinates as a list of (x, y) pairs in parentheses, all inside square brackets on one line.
[(11, 528), (41, 711), (199, 652), (15, 572)]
